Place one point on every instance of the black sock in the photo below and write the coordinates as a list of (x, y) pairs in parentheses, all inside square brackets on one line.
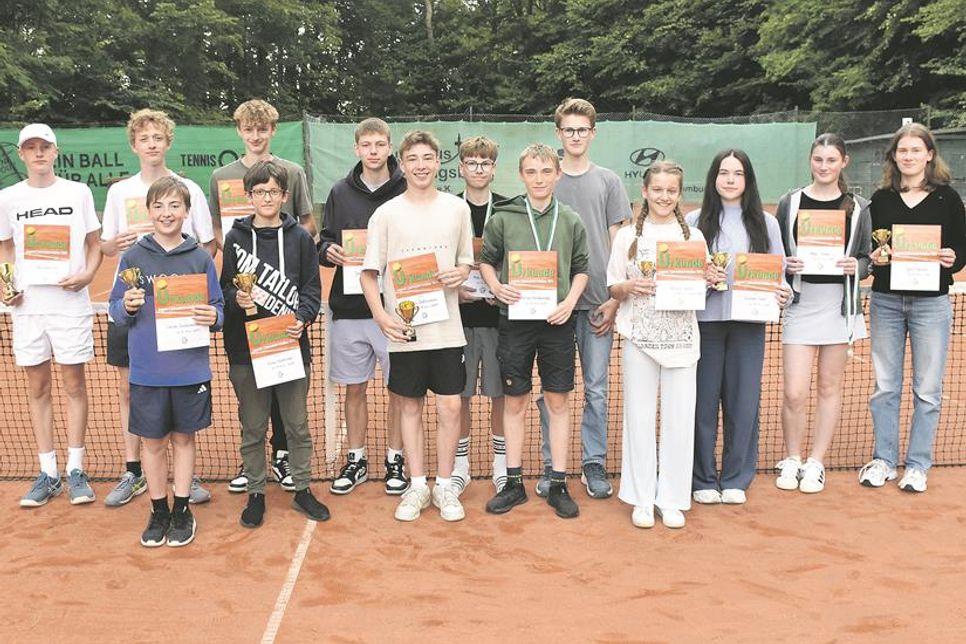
[(514, 476), (160, 506), (558, 478), (134, 467), (180, 503)]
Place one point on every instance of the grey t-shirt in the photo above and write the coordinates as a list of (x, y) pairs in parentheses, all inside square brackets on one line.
[(599, 198)]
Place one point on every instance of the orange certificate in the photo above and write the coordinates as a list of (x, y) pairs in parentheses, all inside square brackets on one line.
[(354, 247), (175, 297), (46, 253), (915, 257), (680, 276), (137, 217), (479, 289), (821, 241), (758, 277), (414, 279), (276, 357), (232, 203), (534, 274)]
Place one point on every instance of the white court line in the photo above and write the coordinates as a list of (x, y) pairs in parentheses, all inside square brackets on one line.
[(285, 594)]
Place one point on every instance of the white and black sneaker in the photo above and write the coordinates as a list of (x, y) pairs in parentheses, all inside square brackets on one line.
[(282, 471), (239, 484), (353, 473), (396, 481)]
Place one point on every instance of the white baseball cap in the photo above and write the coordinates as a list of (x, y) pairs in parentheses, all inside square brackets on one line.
[(37, 131)]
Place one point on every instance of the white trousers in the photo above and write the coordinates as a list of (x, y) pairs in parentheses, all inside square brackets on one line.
[(642, 481)]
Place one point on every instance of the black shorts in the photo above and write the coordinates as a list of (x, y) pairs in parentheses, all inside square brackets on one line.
[(554, 347), (117, 355), (158, 411), (439, 370)]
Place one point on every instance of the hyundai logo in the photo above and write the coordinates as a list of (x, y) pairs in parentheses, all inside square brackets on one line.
[(646, 156)]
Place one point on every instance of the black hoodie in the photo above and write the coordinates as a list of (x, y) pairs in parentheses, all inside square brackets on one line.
[(298, 290), (349, 206)]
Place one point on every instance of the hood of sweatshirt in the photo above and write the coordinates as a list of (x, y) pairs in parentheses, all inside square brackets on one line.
[(384, 192)]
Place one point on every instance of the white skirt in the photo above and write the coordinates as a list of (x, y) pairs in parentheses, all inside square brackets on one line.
[(816, 319)]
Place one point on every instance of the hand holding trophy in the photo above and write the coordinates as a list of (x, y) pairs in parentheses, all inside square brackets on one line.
[(134, 297), (721, 260), (407, 310), (7, 280), (881, 236), (245, 282)]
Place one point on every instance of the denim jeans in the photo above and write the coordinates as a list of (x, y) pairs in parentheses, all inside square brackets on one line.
[(927, 321), (594, 352)]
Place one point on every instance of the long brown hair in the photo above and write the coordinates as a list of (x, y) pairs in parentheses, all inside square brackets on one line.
[(833, 140), (660, 167), (937, 172), (752, 214)]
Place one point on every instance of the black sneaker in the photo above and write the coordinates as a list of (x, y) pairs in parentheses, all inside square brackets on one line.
[(282, 471), (157, 531), (254, 513), (512, 494), (594, 478), (182, 530), (239, 484), (560, 500), (396, 481), (306, 503), (353, 473)]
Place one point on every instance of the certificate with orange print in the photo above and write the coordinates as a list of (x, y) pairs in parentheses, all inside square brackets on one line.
[(232, 203), (414, 279), (276, 357), (821, 241), (175, 298), (680, 276), (46, 253), (915, 257), (534, 274), (475, 280), (354, 243), (758, 277), (136, 217)]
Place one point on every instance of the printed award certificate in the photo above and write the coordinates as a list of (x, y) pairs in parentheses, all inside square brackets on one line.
[(680, 276), (233, 203), (276, 358), (821, 241), (475, 281), (175, 297), (534, 274), (137, 217), (414, 279), (758, 277), (915, 257), (46, 253), (354, 247)]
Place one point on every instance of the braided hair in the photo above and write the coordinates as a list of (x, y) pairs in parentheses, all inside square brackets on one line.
[(659, 167)]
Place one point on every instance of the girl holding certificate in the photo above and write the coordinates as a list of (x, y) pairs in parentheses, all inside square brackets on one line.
[(920, 223), (828, 236), (732, 351), (661, 351)]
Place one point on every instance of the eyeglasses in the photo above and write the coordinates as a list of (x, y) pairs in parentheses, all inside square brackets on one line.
[(261, 194), (581, 132), (474, 166)]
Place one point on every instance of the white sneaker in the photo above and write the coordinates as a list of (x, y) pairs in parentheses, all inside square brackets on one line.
[(460, 481), (788, 473), (447, 500), (414, 500), (876, 472), (733, 496), (914, 480), (813, 477), (671, 518), (643, 516), (707, 497)]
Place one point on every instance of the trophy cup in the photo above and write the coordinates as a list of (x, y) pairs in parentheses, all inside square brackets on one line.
[(6, 279), (881, 236), (131, 276), (721, 260), (245, 282), (407, 310), (647, 269)]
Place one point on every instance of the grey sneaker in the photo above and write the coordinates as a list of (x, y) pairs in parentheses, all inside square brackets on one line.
[(79, 488), (594, 478), (543, 485), (198, 494), (126, 489), (43, 489)]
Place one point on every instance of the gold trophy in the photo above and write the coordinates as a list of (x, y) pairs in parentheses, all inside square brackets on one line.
[(245, 282), (407, 310), (647, 269), (721, 260), (881, 236), (6, 279), (131, 276)]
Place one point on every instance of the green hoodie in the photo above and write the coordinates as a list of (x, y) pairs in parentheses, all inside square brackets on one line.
[(508, 230)]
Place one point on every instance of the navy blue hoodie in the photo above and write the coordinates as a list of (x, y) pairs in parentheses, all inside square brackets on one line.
[(286, 284), (149, 366)]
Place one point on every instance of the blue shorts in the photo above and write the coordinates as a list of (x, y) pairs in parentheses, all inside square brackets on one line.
[(158, 411)]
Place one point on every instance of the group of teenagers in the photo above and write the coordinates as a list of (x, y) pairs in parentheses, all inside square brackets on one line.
[(391, 236)]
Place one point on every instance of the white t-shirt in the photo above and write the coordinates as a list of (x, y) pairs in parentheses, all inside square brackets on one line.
[(64, 203), (399, 229), (125, 208)]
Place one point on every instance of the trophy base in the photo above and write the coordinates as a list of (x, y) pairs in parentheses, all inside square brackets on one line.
[(252, 311), (721, 287)]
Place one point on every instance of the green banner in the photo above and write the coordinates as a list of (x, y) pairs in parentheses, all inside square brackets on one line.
[(779, 151), (98, 156)]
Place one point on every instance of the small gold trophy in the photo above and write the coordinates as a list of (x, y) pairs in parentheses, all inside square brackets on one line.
[(721, 260), (407, 310), (6, 278), (131, 276), (881, 236), (647, 269), (245, 282)]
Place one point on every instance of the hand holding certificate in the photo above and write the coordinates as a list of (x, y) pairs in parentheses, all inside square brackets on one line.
[(680, 277), (182, 313), (414, 279), (756, 288), (533, 274), (821, 241), (354, 243), (915, 257), (477, 288), (276, 356)]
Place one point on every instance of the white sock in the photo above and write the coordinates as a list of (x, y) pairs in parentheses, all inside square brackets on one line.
[(499, 465), (418, 481), (443, 482), (391, 454), (48, 464), (358, 454), (75, 459)]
